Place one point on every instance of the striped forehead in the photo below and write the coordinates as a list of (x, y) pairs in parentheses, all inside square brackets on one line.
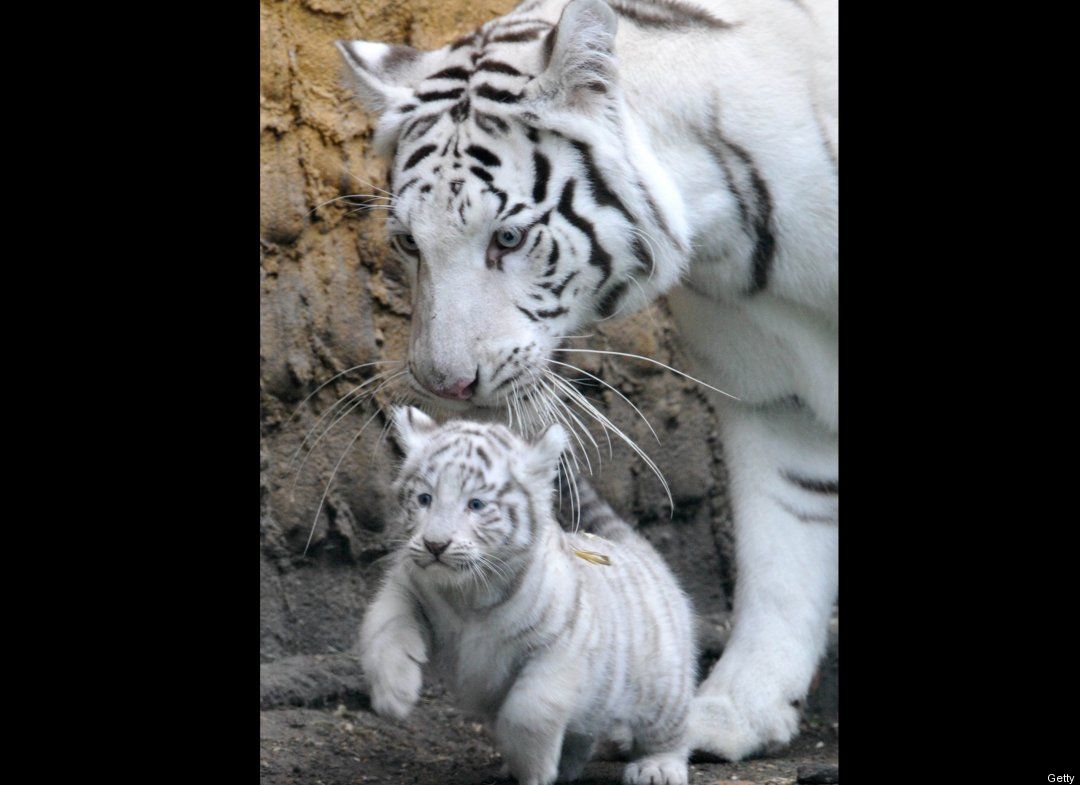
[(457, 121), (458, 169), (461, 452)]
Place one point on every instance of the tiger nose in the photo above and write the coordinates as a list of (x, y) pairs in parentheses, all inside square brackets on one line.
[(436, 548), (460, 390)]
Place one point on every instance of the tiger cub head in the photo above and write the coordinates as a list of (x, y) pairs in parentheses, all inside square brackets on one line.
[(475, 498), (520, 205)]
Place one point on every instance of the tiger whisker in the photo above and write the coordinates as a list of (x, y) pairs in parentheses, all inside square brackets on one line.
[(569, 411), (558, 473), (519, 412), (552, 402), (511, 401), (583, 403), (477, 576), (575, 498), (649, 360), (556, 417), (349, 196), (572, 453), (300, 406), (521, 398), (332, 407), (370, 207), (322, 501), (614, 390), (372, 186), (563, 466), (535, 405), (581, 381), (499, 567), (394, 402), (367, 203), (345, 411), (480, 561), (584, 452), (525, 420), (348, 447), (652, 243)]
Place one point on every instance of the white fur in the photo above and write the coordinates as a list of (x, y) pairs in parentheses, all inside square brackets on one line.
[(554, 653), (677, 108)]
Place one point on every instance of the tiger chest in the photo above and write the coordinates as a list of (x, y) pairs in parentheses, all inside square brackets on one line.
[(476, 665)]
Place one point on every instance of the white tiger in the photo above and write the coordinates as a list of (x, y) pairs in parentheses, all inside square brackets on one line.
[(554, 652), (573, 160)]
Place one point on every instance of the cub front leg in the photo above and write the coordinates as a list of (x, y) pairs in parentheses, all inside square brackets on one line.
[(531, 724), (785, 498), (393, 647), (660, 739)]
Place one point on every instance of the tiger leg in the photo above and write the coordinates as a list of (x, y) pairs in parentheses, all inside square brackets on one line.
[(784, 492), (531, 722)]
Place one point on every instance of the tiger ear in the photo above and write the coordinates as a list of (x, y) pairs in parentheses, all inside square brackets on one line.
[(413, 427), (545, 450), (384, 73), (580, 52)]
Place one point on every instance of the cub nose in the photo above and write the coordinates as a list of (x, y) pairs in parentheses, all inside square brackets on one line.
[(436, 548)]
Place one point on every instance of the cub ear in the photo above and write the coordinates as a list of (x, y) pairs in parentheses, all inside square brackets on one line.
[(384, 72), (413, 427), (580, 52), (545, 450)]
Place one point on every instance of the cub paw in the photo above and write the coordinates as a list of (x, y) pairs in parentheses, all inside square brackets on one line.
[(719, 726), (657, 770), (395, 685)]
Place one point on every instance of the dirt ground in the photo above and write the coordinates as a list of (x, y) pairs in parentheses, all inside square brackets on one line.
[(438, 745)]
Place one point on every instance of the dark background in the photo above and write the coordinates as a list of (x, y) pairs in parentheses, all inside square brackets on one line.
[(961, 563)]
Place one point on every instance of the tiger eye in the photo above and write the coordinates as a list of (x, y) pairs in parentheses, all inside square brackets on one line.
[(510, 238)]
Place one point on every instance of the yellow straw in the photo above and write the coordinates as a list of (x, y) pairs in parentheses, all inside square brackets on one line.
[(593, 558)]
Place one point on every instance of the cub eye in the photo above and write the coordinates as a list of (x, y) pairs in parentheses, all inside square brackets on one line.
[(476, 504), (407, 243), (510, 238), (424, 499)]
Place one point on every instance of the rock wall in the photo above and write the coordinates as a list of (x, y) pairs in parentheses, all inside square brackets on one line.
[(332, 297)]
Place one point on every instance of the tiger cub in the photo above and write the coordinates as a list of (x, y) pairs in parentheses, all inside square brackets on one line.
[(557, 640)]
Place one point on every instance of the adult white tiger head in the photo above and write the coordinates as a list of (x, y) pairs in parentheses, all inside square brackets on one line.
[(520, 202)]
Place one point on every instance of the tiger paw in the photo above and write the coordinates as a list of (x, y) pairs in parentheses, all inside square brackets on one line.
[(720, 727), (667, 769)]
